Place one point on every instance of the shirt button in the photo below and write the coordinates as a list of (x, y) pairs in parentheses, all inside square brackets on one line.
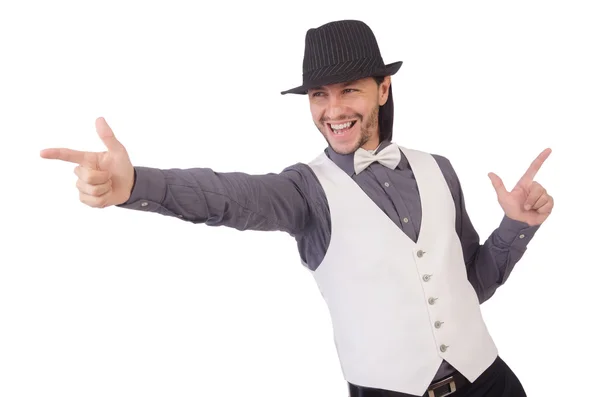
[(522, 236), (405, 220), (443, 348), (432, 300), (427, 277), (387, 184), (420, 253), (144, 203), (438, 324)]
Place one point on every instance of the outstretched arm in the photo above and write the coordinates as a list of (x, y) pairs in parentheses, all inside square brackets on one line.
[(245, 202), (199, 195)]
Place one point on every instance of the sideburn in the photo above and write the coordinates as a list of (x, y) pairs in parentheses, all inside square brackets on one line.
[(386, 118), (371, 119)]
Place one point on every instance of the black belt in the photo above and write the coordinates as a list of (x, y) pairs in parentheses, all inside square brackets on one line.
[(443, 387)]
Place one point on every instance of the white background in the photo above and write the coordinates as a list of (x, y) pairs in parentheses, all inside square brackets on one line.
[(117, 302)]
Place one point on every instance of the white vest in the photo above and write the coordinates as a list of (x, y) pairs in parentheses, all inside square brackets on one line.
[(398, 308)]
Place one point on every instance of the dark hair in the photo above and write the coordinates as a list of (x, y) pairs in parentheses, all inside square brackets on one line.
[(386, 114)]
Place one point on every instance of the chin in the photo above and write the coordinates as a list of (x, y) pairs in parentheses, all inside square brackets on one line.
[(344, 147)]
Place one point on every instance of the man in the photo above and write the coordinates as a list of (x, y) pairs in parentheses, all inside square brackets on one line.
[(383, 228)]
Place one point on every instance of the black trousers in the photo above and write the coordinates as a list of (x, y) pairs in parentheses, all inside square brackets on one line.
[(496, 381)]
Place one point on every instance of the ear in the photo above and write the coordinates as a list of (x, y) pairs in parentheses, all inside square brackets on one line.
[(384, 90)]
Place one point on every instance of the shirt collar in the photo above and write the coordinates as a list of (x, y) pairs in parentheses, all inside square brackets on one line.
[(346, 161)]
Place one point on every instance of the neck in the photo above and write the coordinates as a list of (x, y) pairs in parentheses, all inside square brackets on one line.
[(372, 143)]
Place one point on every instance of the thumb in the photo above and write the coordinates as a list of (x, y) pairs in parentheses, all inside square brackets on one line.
[(498, 184), (106, 134)]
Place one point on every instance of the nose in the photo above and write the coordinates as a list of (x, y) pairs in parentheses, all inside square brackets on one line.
[(335, 107)]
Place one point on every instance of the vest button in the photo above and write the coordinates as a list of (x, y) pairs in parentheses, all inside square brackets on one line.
[(443, 348), (432, 300), (438, 324), (420, 253), (427, 277)]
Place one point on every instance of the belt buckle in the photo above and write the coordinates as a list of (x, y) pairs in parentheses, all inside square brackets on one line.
[(448, 381)]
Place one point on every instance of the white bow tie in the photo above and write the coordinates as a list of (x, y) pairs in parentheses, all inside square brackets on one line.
[(389, 156)]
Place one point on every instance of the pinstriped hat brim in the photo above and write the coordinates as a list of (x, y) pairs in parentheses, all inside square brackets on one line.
[(349, 75)]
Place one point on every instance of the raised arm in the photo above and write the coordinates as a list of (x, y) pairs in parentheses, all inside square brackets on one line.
[(489, 264)]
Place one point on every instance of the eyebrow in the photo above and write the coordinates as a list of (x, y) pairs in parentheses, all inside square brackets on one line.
[(345, 84)]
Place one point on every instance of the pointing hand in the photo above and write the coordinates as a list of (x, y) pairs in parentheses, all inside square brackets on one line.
[(104, 178), (528, 201)]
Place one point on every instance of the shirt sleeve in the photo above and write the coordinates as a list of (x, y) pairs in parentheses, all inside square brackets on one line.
[(489, 264), (269, 202)]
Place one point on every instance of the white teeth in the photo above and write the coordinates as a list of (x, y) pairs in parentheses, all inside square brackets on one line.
[(341, 126)]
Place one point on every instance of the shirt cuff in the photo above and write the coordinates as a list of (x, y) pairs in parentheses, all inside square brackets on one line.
[(516, 234), (148, 190)]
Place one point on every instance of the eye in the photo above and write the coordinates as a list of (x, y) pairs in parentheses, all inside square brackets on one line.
[(348, 90), (317, 94)]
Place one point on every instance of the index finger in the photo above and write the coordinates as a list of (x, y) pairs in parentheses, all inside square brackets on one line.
[(72, 156), (535, 166)]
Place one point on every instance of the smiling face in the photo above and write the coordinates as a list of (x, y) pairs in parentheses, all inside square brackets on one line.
[(347, 114)]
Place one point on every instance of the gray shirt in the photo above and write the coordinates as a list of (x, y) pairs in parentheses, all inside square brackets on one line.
[(294, 202)]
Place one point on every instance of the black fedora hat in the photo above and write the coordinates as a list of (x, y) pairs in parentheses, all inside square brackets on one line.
[(341, 51)]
